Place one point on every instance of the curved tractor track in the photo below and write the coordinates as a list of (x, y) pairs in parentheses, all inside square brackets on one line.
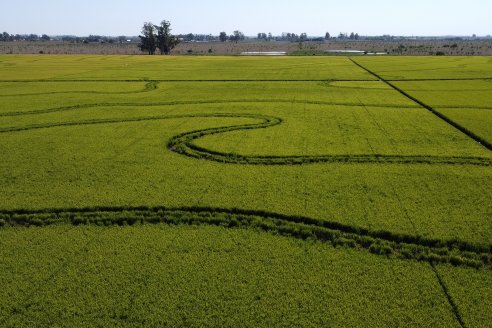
[(149, 86), (184, 144), (384, 243)]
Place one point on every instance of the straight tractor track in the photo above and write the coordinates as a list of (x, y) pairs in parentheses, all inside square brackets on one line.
[(443, 117), (452, 303)]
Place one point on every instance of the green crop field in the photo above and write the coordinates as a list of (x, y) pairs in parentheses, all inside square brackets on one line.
[(237, 191)]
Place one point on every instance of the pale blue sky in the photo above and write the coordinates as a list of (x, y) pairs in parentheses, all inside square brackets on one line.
[(315, 17)]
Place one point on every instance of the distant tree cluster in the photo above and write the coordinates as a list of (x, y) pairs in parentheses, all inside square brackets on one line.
[(66, 38), (292, 37), (345, 36), (264, 36), (23, 37), (190, 37), (236, 36), (157, 37)]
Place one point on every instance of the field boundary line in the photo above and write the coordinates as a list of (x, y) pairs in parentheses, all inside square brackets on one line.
[(443, 117), (452, 303)]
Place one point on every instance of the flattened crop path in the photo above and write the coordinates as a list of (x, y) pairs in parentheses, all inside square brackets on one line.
[(384, 243)]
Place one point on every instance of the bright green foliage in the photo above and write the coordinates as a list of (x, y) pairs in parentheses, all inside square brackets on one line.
[(206, 276), (312, 148)]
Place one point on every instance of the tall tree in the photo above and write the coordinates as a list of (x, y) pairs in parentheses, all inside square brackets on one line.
[(148, 39), (223, 37), (165, 40), (327, 36), (6, 37), (238, 36)]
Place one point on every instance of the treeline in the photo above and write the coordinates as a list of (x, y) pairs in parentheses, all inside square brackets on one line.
[(235, 36), (6, 37), (287, 36), (190, 37)]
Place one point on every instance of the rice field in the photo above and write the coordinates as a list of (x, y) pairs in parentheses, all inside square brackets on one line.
[(227, 191)]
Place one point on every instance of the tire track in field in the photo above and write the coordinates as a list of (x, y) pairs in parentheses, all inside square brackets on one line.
[(384, 243), (443, 117), (188, 80), (200, 102), (150, 86), (184, 144), (449, 298)]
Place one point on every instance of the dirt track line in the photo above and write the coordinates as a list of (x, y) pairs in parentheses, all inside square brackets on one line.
[(447, 294), (385, 243), (443, 117), (204, 102), (150, 86), (191, 80), (183, 144)]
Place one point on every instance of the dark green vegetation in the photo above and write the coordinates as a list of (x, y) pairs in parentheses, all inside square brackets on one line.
[(128, 170)]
